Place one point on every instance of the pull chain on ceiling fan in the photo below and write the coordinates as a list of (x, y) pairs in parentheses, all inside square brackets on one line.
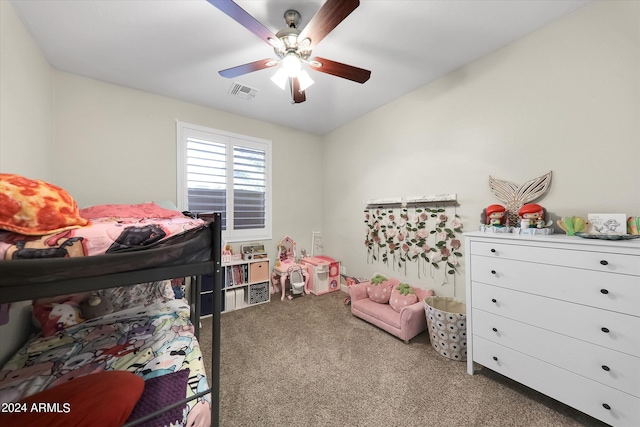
[(293, 47)]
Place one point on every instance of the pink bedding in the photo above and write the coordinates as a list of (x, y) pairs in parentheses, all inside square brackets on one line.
[(106, 234)]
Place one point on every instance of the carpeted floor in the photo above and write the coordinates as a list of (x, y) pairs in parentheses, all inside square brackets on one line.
[(309, 362)]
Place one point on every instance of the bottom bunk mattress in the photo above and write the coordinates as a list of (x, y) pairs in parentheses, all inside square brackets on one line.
[(155, 342)]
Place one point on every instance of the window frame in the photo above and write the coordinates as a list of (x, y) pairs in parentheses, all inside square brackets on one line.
[(186, 130)]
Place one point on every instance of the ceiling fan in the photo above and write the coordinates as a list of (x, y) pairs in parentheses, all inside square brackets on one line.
[(293, 46)]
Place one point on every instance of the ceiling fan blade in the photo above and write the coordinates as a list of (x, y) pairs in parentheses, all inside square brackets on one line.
[(328, 17), (297, 95), (339, 69), (237, 13), (248, 68)]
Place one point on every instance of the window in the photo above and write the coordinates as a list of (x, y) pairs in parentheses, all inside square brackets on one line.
[(228, 173)]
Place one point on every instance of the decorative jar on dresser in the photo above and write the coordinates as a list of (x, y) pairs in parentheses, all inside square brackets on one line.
[(561, 315)]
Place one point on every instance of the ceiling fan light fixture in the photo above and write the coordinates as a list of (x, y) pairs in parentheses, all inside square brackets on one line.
[(305, 43), (288, 38), (280, 78), (305, 80), (276, 43), (292, 46), (290, 41), (291, 64)]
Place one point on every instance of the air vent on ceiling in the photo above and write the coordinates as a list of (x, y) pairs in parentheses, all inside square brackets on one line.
[(242, 91)]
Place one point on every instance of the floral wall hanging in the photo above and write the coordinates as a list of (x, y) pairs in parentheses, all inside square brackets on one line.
[(427, 236)]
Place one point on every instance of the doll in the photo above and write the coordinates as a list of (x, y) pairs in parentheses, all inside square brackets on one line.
[(495, 215), (531, 216)]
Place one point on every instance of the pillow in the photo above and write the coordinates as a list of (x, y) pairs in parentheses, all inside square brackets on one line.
[(34, 207), (142, 210), (123, 297), (401, 296), (55, 316), (104, 399), (381, 292), (158, 393)]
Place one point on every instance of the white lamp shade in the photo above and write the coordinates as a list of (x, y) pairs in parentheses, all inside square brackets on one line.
[(280, 78), (291, 64), (304, 79)]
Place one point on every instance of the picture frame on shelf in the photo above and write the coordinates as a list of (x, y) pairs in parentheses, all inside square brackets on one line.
[(607, 223)]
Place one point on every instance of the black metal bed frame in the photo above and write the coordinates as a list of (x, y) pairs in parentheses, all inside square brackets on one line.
[(13, 293)]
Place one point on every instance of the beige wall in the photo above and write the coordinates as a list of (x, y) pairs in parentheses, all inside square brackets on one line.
[(26, 101), (564, 99), (118, 145), (26, 132)]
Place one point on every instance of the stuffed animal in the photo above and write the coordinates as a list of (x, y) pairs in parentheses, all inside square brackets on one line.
[(54, 317), (95, 306)]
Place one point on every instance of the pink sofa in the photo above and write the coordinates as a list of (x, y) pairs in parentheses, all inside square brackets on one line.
[(406, 324)]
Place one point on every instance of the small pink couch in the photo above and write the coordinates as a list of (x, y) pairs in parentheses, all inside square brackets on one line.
[(406, 324)]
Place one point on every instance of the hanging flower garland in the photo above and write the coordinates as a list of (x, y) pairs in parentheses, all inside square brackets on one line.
[(380, 233), (424, 235)]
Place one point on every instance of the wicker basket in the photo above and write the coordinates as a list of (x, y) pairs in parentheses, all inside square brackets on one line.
[(447, 325)]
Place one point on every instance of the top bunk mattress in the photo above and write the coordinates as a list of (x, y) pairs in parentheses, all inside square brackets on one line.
[(105, 246)]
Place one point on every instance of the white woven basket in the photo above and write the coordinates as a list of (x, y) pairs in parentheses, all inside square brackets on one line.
[(447, 325)]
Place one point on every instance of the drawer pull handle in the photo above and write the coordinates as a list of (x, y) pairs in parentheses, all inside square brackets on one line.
[(494, 329), (604, 262), (605, 406), (493, 250), (604, 291), (493, 300), (606, 368), (605, 330), (495, 358), (493, 272)]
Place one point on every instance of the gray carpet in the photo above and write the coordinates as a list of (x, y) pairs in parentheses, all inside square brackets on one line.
[(309, 362)]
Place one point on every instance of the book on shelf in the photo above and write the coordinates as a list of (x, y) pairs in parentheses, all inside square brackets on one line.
[(236, 275)]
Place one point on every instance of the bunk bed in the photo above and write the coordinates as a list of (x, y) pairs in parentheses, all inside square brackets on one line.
[(189, 254)]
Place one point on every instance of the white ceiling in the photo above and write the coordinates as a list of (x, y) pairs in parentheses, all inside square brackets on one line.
[(175, 48)]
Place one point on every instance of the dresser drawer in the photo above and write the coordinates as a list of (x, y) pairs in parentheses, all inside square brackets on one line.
[(586, 259), (613, 368), (579, 392), (606, 328), (617, 292)]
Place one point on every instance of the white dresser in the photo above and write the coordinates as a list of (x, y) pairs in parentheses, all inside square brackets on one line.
[(561, 315)]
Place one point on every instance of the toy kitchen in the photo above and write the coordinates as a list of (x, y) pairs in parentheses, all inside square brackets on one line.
[(324, 274)]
